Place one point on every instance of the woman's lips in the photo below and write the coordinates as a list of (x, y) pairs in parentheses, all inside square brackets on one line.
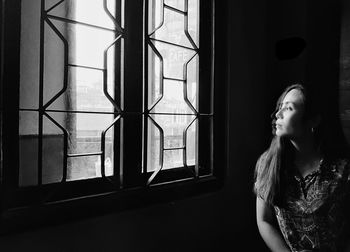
[(278, 125)]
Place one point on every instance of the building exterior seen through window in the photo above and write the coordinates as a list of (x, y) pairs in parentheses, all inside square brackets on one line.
[(72, 88)]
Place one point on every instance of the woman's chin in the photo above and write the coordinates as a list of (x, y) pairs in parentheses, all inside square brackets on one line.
[(279, 133)]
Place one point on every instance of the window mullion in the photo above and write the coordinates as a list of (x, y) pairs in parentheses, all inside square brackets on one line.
[(206, 87), (10, 58), (133, 94)]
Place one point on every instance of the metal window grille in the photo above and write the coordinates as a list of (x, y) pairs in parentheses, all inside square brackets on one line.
[(135, 87)]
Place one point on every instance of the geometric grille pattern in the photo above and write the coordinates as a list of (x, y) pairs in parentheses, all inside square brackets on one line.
[(81, 81), (164, 37), (76, 71)]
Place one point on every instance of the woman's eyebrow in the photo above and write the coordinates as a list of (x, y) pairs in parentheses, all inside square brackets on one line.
[(287, 102)]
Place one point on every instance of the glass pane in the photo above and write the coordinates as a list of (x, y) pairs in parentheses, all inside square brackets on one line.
[(155, 15), (86, 44), (85, 92), (174, 59), (90, 45), (172, 29), (84, 137), (153, 147), (83, 167), (193, 20), (53, 149), (29, 54), (178, 4), (28, 148), (53, 64), (173, 159), (172, 83), (50, 3), (173, 26), (58, 8), (90, 49), (89, 93), (89, 126), (108, 163), (84, 85), (28, 162), (80, 52), (53, 162), (173, 127), (173, 100), (86, 11), (192, 82), (191, 147), (87, 139), (154, 77)]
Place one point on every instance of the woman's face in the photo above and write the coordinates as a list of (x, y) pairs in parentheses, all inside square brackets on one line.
[(289, 117)]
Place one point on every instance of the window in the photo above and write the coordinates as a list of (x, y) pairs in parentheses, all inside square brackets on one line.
[(114, 98)]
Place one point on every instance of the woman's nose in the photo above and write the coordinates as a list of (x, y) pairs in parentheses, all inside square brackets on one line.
[(279, 113)]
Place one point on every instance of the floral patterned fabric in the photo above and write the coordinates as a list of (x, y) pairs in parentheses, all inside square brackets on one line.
[(315, 209)]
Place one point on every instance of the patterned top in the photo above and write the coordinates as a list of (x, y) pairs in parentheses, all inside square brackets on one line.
[(316, 208)]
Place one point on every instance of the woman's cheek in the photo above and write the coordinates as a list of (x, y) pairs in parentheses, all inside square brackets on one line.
[(294, 126)]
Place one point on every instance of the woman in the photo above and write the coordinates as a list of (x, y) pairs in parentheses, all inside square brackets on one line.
[(302, 180)]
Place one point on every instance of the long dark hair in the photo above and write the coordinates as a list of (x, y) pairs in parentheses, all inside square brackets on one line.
[(272, 166)]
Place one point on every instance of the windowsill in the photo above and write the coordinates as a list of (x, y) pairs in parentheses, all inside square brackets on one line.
[(21, 219)]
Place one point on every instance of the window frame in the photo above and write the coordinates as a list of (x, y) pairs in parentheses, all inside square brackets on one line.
[(30, 208)]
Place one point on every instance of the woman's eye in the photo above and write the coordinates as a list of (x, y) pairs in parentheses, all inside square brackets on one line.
[(286, 108)]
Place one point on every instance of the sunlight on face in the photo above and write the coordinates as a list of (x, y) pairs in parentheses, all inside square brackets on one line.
[(289, 121)]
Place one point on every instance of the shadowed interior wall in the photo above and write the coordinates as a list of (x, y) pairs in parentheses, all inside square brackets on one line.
[(224, 219)]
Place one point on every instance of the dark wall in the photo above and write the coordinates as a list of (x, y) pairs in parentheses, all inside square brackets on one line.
[(248, 125), (224, 219), (286, 20)]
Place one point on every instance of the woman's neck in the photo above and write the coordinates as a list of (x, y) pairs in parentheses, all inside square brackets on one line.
[(307, 157), (304, 147)]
